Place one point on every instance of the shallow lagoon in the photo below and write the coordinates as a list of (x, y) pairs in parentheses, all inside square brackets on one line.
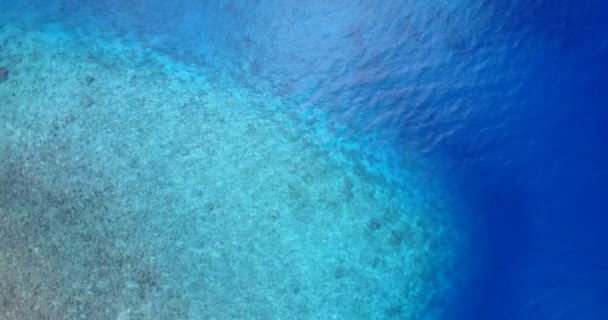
[(135, 186)]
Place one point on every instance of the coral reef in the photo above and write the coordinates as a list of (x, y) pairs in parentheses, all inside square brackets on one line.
[(160, 200)]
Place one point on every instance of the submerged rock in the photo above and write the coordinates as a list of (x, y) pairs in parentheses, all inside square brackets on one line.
[(3, 74), (89, 80)]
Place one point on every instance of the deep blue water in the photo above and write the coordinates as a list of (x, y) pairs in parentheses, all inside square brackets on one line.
[(507, 98)]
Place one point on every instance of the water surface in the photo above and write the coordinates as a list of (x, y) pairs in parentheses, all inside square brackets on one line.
[(266, 160)]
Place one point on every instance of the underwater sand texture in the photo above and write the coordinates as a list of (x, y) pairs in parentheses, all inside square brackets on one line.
[(132, 189)]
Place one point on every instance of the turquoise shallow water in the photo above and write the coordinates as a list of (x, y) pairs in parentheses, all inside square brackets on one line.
[(137, 187)]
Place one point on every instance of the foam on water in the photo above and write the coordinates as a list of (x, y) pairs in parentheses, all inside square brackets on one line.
[(133, 186)]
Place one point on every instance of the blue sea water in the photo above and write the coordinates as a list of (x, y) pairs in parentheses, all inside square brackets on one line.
[(501, 104)]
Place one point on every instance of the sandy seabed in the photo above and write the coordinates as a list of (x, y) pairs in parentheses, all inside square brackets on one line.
[(132, 187)]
